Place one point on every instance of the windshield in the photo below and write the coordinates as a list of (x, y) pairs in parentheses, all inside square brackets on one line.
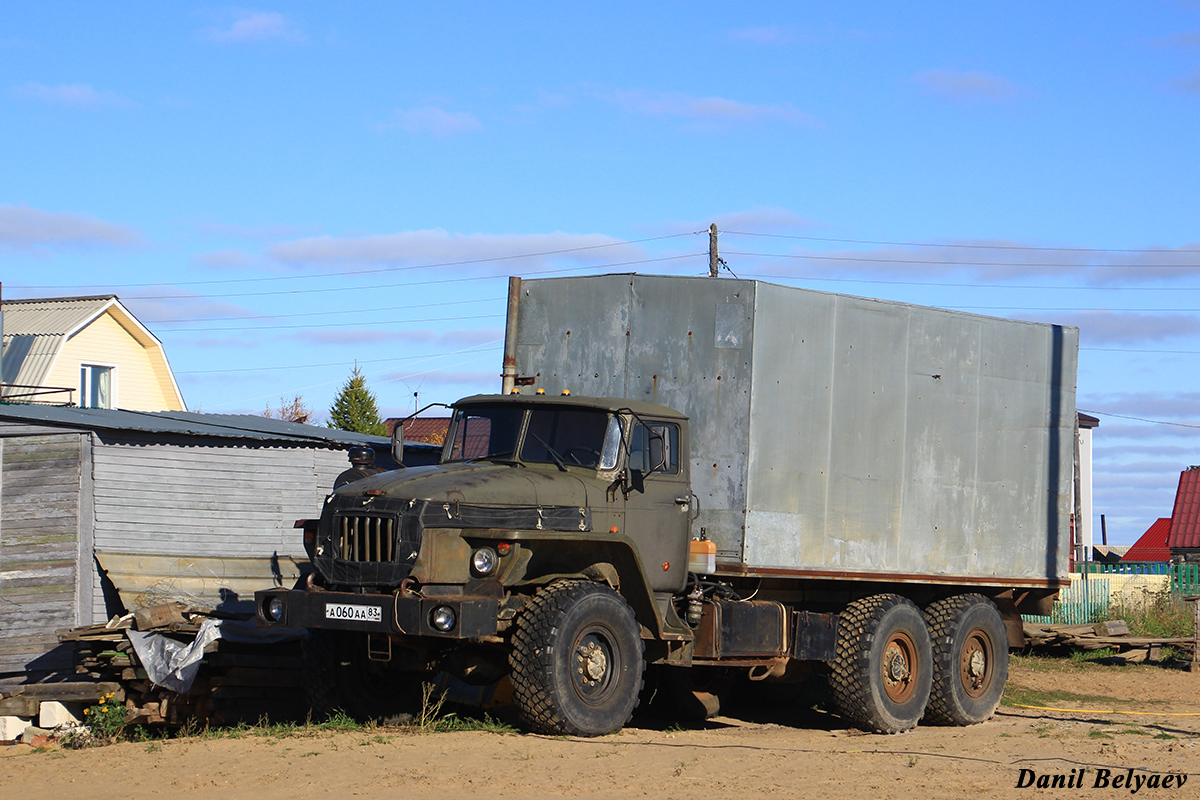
[(565, 436), (486, 432), (560, 436)]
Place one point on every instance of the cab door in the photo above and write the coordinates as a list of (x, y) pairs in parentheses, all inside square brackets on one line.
[(657, 507)]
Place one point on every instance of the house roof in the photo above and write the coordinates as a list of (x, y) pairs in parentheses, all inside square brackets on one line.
[(186, 423), (35, 331), (1185, 519), (424, 429), (1151, 545)]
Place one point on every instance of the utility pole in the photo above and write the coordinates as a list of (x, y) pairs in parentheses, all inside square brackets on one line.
[(713, 259)]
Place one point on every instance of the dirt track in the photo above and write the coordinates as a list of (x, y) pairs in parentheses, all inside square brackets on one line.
[(765, 751)]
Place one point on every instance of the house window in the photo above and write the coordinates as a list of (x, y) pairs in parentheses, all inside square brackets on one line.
[(96, 386)]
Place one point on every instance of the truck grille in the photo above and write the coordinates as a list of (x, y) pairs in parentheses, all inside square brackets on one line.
[(365, 538)]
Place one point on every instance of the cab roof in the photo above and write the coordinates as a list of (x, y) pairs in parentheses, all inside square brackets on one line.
[(610, 404)]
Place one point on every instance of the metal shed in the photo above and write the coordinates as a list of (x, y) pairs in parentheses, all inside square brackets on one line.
[(104, 510)]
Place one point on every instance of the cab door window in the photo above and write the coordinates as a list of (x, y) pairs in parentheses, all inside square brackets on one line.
[(654, 448)]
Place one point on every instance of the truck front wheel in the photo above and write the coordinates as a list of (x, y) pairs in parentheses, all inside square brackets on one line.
[(883, 670), (970, 659), (576, 660)]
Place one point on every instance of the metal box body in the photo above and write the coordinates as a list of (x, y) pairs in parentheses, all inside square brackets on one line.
[(835, 435)]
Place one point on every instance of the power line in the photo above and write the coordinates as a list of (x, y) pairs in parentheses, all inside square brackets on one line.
[(878, 260), (418, 358), (976, 285), (1139, 419), (318, 313), (324, 325), (1031, 248), (463, 262), (377, 286)]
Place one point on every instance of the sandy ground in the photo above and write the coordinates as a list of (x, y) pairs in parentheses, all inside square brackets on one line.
[(766, 750)]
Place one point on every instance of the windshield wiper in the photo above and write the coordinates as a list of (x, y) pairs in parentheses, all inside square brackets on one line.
[(500, 458), (553, 454)]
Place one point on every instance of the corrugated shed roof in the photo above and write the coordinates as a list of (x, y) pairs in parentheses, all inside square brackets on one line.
[(35, 330), (1185, 519), (27, 357), (1151, 545), (53, 315), (187, 423)]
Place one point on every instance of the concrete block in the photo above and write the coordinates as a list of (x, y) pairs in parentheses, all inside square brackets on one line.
[(11, 728), (31, 733), (52, 714)]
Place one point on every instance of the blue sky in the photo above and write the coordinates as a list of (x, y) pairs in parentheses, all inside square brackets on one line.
[(278, 191)]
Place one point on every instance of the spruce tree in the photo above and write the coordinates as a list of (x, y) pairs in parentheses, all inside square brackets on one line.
[(354, 409)]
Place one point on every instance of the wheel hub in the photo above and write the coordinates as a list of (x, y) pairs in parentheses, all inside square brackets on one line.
[(899, 666), (974, 666), (593, 662)]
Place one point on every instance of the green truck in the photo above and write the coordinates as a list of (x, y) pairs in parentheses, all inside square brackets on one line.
[(700, 480)]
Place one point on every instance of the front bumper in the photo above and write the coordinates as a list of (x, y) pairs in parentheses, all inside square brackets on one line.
[(377, 613)]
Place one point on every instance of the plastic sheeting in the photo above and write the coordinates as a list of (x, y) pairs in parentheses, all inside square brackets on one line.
[(173, 664)]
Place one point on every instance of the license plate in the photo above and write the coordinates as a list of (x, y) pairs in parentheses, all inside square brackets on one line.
[(353, 612)]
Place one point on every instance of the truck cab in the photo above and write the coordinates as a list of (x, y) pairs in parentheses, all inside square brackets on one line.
[(435, 567)]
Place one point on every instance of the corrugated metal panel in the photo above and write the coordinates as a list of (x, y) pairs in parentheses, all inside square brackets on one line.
[(61, 315), (1151, 545), (27, 358), (1185, 519), (186, 423), (39, 522), (202, 502), (833, 432)]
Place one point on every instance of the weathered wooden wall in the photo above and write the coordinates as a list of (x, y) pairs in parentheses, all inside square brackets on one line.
[(39, 547), (205, 503)]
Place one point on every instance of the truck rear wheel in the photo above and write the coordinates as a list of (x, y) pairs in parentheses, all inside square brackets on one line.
[(338, 677), (576, 660), (883, 670), (970, 659)]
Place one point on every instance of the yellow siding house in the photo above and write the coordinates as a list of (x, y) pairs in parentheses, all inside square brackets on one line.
[(90, 348)]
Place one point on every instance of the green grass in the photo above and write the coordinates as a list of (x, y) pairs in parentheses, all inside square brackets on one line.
[(1161, 615), (1017, 695)]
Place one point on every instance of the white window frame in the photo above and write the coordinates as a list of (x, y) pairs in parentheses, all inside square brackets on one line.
[(85, 384)]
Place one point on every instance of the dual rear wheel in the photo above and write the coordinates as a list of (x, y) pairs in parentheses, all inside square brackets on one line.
[(896, 665)]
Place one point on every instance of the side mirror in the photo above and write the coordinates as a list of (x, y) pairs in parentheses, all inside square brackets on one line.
[(635, 482), (398, 444)]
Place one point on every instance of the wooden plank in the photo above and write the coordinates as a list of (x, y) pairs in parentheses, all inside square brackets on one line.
[(75, 691), (19, 706)]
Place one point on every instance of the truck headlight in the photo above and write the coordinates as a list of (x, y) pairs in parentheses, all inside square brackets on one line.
[(443, 618), (274, 609), (484, 561)]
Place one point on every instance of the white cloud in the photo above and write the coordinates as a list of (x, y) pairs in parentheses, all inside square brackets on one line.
[(969, 86), (1181, 407), (433, 120), (1002, 259), (762, 35), (1113, 327), (1191, 84), (456, 339), (256, 26), (185, 306), (708, 109), (439, 247), (223, 259), (25, 228), (73, 95), (1187, 40)]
